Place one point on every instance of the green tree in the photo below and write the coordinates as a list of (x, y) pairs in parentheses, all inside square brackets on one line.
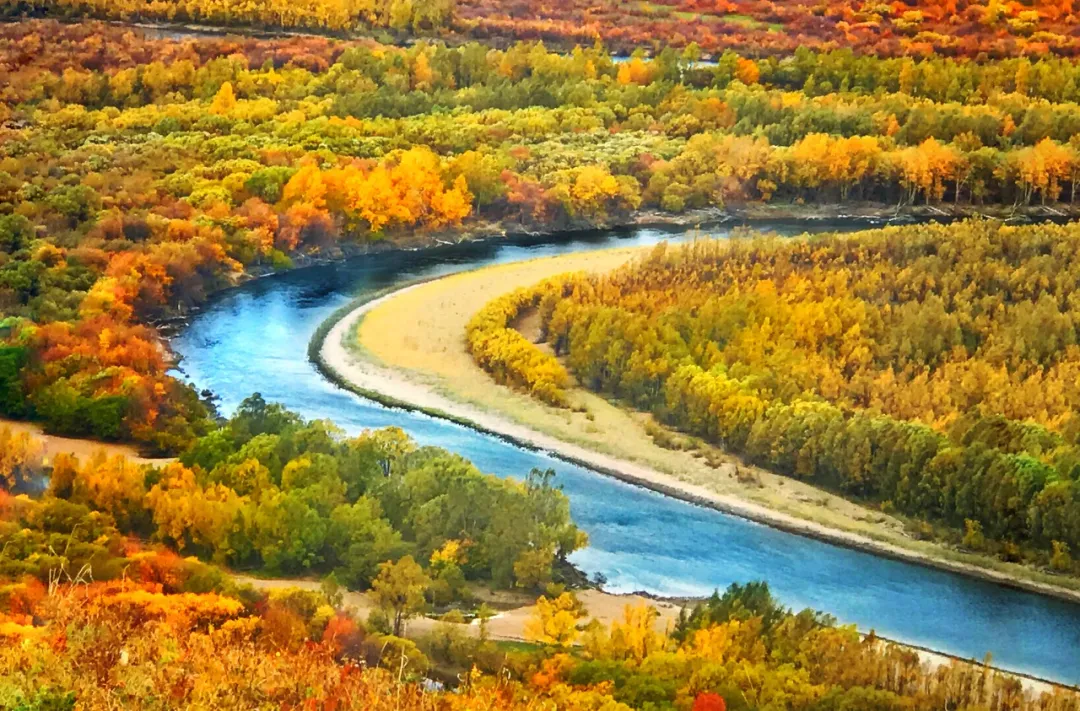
[(359, 540), (399, 591), (15, 233)]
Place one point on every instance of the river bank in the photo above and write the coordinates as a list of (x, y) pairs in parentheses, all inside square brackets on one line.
[(420, 328)]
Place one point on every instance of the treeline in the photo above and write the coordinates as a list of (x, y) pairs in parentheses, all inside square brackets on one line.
[(930, 370), (501, 350), (271, 492), (139, 176), (335, 15), (758, 27), (972, 28)]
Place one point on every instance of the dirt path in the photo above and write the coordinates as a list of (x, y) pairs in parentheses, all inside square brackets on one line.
[(513, 611), (81, 448)]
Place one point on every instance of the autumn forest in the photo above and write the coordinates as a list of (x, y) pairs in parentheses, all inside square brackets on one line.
[(158, 154)]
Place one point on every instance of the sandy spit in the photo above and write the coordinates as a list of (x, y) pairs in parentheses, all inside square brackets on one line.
[(337, 357)]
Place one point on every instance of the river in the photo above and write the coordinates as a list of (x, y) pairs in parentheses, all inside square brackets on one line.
[(254, 339)]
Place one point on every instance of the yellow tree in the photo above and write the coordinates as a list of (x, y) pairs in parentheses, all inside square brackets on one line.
[(184, 512), (924, 169), (636, 71), (1042, 169), (746, 71), (554, 621), (224, 101), (809, 160), (852, 160), (451, 206), (422, 75), (112, 484), (592, 188), (399, 590), (306, 186), (635, 636), (20, 456)]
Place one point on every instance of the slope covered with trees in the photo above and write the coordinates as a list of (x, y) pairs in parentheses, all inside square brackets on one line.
[(172, 636), (138, 176), (928, 369), (98, 609)]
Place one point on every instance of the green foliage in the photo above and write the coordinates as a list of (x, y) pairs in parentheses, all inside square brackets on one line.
[(399, 591), (739, 602), (66, 411), (362, 540), (267, 183), (297, 496), (12, 399), (15, 233)]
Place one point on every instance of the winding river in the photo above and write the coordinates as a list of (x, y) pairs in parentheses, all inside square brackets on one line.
[(254, 339)]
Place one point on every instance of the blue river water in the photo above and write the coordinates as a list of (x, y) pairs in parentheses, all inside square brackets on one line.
[(254, 339)]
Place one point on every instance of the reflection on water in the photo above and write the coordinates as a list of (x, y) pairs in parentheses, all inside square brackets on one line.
[(254, 339)]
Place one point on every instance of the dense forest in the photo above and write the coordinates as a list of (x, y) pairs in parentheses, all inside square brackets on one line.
[(997, 28), (931, 370), (138, 176)]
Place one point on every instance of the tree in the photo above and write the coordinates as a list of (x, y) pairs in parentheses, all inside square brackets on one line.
[(1061, 560), (288, 535), (707, 701), (399, 590), (554, 621), (973, 535), (20, 457), (15, 233), (359, 541), (12, 360), (224, 101)]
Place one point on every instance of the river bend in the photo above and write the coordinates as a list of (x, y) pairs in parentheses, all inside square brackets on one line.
[(254, 339)]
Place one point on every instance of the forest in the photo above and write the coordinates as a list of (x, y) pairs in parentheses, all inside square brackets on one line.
[(113, 592), (139, 176), (271, 492), (929, 370), (995, 28), (112, 621)]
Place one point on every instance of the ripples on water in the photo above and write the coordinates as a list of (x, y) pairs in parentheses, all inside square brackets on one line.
[(254, 339)]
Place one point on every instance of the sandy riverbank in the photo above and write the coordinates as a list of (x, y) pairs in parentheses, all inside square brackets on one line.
[(420, 330)]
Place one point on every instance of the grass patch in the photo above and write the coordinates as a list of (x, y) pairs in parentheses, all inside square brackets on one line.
[(743, 21), (508, 646)]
